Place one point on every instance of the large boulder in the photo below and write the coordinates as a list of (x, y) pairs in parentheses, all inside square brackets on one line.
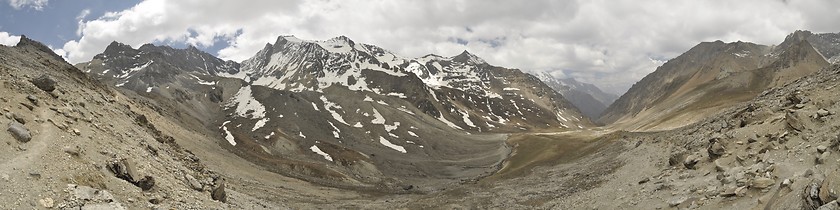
[(45, 83), (218, 193), (19, 132)]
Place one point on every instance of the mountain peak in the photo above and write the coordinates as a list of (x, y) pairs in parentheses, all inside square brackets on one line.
[(467, 57), (25, 41), (115, 47)]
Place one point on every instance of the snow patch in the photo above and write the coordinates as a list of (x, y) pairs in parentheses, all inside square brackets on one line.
[(260, 123), (377, 118), (228, 136), (317, 150), (388, 144), (246, 105), (330, 107), (450, 124)]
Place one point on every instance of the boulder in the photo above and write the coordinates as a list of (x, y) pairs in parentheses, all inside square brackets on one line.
[(823, 113), (676, 201), (793, 121), (690, 161), (19, 118), (124, 169), (146, 183), (763, 182), (19, 132), (218, 193), (45, 83), (33, 100), (193, 182), (822, 158), (830, 206), (821, 149), (716, 149), (811, 196), (830, 187)]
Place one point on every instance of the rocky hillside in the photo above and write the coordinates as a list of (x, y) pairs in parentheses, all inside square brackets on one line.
[(710, 76), (71, 142), (589, 99)]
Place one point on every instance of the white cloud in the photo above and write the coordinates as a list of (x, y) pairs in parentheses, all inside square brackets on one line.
[(8, 39), (34, 4), (611, 43)]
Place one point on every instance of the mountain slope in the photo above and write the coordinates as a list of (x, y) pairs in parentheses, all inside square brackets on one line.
[(588, 98), (707, 78)]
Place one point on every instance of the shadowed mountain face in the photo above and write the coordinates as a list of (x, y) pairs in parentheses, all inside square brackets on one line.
[(341, 113), (588, 98), (709, 77)]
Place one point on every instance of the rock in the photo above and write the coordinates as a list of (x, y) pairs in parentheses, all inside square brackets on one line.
[(793, 121), (720, 167), (830, 206), (47, 202), (19, 132), (218, 193), (690, 161), (799, 106), (763, 182), (811, 196), (77, 132), (72, 150), (821, 149), (786, 183), (19, 118), (645, 180), (822, 158), (45, 83), (676, 201), (823, 113), (830, 187), (752, 138), (677, 157), (193, 182), (33, 100), (146, 183), (741, 191), (716, 150), (125, 169), (729, 192)]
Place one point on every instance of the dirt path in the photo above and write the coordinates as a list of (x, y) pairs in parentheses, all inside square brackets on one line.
[(34, 148)]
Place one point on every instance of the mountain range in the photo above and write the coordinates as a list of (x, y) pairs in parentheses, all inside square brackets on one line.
[(342, 113)]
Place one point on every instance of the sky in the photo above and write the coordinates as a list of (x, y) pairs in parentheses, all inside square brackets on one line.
[(609, 43)]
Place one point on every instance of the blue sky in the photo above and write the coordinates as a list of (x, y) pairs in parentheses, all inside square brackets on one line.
[(56, 22), (610, 43)]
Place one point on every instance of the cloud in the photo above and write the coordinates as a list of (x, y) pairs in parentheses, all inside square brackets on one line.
[(34, 4), (8, 39), (611, 43)]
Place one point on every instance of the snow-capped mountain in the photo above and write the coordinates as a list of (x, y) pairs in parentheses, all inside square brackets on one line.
[(588, 98), (462, 91), (377, 119)]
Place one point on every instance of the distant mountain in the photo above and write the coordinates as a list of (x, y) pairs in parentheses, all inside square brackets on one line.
[(588, 98), (709, 77), (379, 120), (828, 44)]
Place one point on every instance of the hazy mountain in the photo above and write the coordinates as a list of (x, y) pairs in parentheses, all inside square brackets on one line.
[(588, 98)]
